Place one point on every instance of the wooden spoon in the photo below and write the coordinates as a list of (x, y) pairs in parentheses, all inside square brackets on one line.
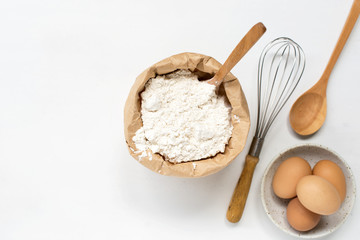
[(252, 36), (308, 113)]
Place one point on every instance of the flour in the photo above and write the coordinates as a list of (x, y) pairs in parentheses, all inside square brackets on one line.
[(183, 118)]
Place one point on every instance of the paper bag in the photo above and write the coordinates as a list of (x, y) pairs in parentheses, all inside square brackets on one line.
[(205, 67)]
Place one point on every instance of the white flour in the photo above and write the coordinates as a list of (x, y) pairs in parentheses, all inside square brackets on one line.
[(183, 118)]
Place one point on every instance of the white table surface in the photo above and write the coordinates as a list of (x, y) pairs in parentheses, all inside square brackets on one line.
[(66, 68)]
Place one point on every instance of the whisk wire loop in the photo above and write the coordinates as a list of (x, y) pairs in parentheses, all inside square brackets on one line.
[(283, 60)]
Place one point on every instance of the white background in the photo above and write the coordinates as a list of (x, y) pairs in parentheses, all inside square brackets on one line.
[(66, 68)]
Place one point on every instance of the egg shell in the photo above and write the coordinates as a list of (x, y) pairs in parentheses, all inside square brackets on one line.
[(318, 195), (333, 173), (287, 176), (299, 217)]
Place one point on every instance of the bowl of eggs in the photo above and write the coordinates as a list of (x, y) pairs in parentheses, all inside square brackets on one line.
[(308, 191)]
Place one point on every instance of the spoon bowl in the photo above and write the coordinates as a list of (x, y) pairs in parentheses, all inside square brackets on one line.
[(308, 113)]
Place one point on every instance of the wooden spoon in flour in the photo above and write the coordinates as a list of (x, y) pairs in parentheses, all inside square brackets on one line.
[(240, 50)]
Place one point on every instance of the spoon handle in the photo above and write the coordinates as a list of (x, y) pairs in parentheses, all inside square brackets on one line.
[(349, 25), (251, 37)]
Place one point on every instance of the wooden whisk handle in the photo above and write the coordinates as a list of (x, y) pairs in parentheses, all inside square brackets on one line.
[(238, 200)]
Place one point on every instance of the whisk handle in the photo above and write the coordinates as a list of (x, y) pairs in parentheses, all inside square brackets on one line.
[(238, 200)]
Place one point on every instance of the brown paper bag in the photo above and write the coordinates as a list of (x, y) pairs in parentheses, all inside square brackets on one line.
[(205, 67)]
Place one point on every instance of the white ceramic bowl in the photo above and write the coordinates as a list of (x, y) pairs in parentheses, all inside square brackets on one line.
[(275, 207)]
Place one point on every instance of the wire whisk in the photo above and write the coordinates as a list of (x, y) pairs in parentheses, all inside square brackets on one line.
[(281, 65)]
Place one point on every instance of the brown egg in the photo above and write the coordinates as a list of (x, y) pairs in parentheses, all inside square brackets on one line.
[(287, 176), (299, 217), (333, 173), (318, 195)]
